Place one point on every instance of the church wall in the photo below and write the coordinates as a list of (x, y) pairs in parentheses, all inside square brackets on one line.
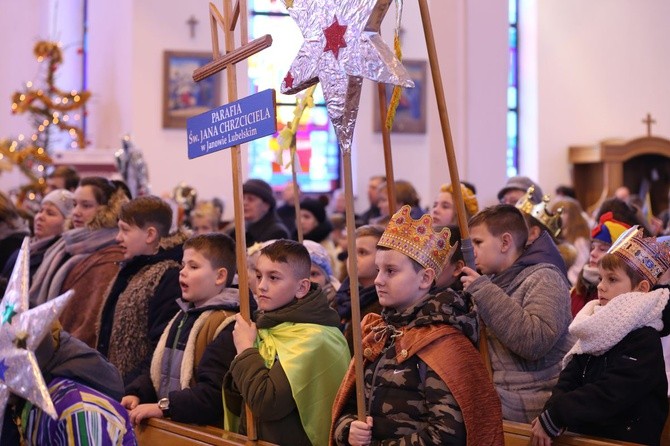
[(601, 66), (127, 39)]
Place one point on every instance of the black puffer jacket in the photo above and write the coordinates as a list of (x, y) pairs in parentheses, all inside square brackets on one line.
[(620, 394)]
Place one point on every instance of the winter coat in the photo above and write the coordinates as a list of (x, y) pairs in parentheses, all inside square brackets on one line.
[(138, 304), (369, 303), (425, 382), (614, 384), (192, 356), (268, 391), (526, 309), (37, 250), (89, 279), (269, 227)]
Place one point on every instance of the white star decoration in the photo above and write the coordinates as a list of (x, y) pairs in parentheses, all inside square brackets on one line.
[(21, 331), (342, 46)]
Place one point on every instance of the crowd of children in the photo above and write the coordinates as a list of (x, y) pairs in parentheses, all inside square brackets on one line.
[(571, 318)]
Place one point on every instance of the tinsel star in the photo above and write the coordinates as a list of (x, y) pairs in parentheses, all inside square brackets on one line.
[(19, 337), (342, 46)]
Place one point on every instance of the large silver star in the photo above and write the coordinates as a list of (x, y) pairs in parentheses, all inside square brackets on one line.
[(21, 331), (342, 46)]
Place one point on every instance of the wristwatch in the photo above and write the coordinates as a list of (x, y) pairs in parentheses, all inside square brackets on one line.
[(164, 405)]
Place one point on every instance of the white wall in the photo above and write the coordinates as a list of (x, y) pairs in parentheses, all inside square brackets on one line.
[(590, 70), (127, 40), (601, 66)]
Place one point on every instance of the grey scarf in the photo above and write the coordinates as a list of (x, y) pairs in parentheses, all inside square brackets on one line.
[(63, 256)]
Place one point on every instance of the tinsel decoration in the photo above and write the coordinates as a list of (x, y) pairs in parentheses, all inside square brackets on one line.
[(397, 89), (286, 138), (52, 110), (132, 167), (21, 331), (49, 106)]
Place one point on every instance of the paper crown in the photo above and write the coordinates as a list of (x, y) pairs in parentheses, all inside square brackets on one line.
[(645, 255), (551, 221), (608, 229), (417, 239)]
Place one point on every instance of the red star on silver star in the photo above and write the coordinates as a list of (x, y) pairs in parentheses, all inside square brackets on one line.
[(335, 37), (288, 80)]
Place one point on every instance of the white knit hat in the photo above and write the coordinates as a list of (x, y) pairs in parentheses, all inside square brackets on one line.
[(62, 199)]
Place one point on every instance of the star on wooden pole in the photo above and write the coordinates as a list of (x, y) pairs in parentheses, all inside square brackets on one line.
[(20, 334), (342, 46)]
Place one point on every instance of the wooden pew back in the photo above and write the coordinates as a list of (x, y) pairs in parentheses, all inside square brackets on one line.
[(518, 434), (170, 433)]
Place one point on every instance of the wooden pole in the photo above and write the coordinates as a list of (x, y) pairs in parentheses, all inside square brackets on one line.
[(353, 282), (388, 154), (235, 156), (466, 244), (296, 195)]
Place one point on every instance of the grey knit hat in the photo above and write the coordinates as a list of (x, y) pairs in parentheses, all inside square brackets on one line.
[(62, 199), (521, 183)]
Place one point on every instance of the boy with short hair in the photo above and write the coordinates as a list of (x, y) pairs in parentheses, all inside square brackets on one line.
[(425, 382), (614, 382), (525, 303), (367, 237), (291, 361), (143, 297), (196, 348)]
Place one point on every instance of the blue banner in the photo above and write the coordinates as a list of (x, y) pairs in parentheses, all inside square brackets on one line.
[(232, 124)]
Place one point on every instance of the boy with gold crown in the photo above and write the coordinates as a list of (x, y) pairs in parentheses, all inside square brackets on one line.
[(614, 384), (424, 380)]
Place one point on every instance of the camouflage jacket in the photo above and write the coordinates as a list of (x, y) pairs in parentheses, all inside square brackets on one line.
[(424, 380)]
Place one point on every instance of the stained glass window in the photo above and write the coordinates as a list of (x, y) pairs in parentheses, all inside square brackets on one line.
[(513, 92), (318, 169)]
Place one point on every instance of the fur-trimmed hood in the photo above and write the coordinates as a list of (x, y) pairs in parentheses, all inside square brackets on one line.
[(228, 299), (107, 216)]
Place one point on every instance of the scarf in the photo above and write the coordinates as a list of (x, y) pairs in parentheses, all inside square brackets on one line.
[(599, 328), (314, 369), (74, 246), (38, 245), (314, 355)]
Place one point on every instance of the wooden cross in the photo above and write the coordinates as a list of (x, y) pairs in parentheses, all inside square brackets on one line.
[(228, 23), (192, 22), (649, 121)]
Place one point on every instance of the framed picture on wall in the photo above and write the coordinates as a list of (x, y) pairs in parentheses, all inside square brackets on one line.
[(410, 115), (182, 96)]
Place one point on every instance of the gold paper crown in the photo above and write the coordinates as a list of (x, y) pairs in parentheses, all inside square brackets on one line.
[(417, 240), (644, 254), (552, 221)]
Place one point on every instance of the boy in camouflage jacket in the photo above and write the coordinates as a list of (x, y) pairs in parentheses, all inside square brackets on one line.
[(424, 380)]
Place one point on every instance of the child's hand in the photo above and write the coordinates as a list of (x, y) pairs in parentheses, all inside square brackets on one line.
[(130, 401), (144, 411), (538, 436), (360, 433), (244, 334), (468, 276)]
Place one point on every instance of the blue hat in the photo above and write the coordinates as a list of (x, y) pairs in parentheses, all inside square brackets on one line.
[(319, 256)]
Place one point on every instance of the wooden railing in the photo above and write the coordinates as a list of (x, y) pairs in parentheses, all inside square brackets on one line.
[(518, 434), (159, 432)]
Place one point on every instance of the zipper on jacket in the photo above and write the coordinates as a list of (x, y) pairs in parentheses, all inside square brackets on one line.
[(174, 347)]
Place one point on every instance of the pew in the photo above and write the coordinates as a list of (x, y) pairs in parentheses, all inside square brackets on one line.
[(157, 431), (518, 434), (162, 432)]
